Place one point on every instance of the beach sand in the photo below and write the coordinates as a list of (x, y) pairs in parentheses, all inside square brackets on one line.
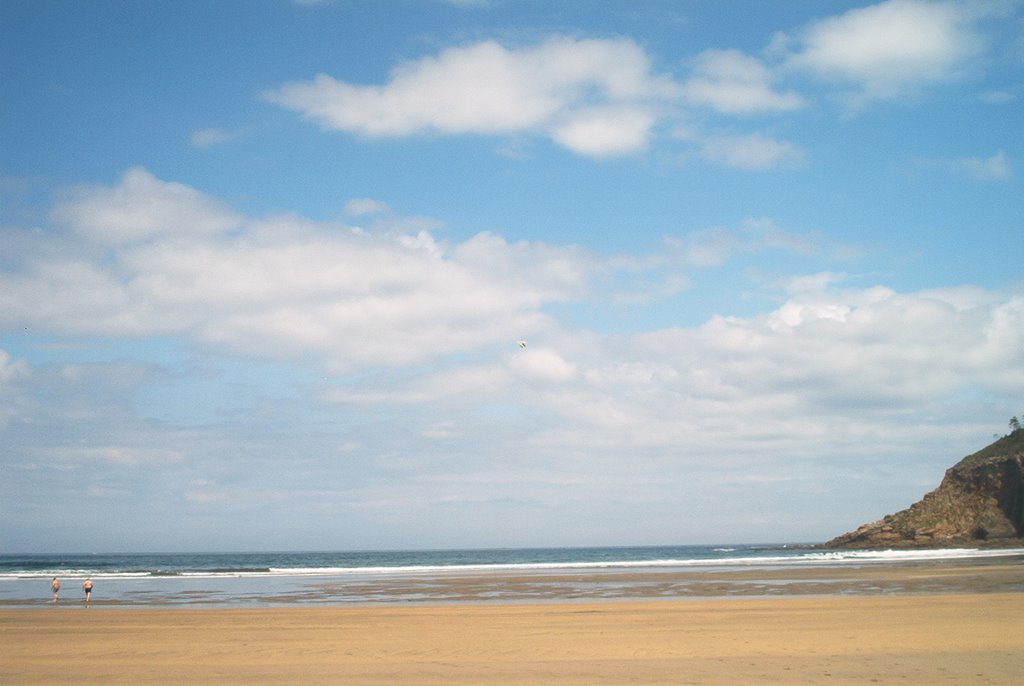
[(906, 639)]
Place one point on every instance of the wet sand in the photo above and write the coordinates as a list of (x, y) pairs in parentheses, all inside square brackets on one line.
[(975, 638), (928, 577)]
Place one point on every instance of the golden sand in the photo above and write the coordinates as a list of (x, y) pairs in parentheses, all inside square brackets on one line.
[(909, 639)]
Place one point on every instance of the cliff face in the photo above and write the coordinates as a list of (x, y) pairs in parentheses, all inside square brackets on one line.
[(980, 499)]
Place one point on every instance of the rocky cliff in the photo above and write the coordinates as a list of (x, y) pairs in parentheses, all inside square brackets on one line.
[(980, 500)]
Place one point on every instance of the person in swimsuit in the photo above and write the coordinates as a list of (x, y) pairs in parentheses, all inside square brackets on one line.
[(55, 586), (87, 587)]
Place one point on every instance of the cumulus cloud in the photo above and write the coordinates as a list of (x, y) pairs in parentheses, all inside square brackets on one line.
[(543, 364), (732, 82), (605, 97), (829, 363), (602, 133), (826, 356), (595, 97), (352, 299), (885, 50), (142, 207), (181, 262), (147, 257)]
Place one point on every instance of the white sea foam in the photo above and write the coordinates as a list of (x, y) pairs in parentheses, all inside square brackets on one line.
[(790, 558), (823, 558)]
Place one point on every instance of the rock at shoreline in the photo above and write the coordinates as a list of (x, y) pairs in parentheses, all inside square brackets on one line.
[(980, 501)]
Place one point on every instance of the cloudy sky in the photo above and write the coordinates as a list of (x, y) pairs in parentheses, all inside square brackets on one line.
[(265, 267)]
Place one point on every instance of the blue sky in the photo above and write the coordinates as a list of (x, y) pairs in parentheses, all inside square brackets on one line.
[(265, 266)]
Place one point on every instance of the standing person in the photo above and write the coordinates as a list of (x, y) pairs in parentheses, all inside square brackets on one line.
[(87, 587), (55, 587)]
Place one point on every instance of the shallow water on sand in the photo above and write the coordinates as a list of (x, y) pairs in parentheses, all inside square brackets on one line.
[(538, 575)]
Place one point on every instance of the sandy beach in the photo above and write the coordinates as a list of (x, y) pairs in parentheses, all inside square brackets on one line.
[(912, 639)]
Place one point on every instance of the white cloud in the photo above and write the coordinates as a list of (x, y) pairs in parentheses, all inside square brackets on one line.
[(884, 50), (183, 263), (804, 365), (284, 288), (828, 364), (11, 369), (994, 168), (363, 206), (556, 88), (813, 282), (732, 82), (116, 454), (601, 133), (142, 207), (602, 97), (714, 246), (543, 364), (707, 248), (752, 152)]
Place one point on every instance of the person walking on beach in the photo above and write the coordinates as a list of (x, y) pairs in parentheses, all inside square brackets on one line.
[(55, 586), (87, 587)]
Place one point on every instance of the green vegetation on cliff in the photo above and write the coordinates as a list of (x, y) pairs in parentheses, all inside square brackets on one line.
[(1010, 444)]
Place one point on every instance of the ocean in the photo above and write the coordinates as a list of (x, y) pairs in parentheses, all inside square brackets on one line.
[(484, 575)]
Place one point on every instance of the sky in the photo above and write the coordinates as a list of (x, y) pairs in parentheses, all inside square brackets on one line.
[(349, 275)]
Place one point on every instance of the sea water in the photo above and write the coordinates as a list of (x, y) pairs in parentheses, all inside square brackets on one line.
[(520, 574)]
